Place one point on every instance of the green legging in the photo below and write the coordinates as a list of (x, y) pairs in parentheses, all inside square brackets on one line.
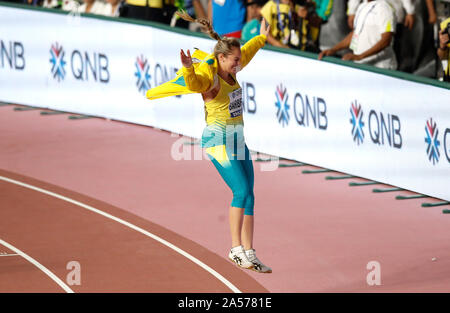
[(231, 157)]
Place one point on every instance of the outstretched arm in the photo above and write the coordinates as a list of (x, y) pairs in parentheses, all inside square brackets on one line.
[(249, 50), (197, 82), (384, 42), (345, 43)]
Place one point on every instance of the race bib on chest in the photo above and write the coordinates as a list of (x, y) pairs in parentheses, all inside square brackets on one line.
[(235, 106)]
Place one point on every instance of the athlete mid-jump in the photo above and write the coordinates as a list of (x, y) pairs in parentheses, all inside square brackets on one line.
[(214, 76)]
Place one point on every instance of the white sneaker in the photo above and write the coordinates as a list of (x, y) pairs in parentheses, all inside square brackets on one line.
[(258, 266), (238, 256)]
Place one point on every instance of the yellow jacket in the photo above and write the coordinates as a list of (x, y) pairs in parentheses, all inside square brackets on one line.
[(200, 77)]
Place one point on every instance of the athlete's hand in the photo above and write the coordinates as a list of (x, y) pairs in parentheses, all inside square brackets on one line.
[(186, 60), (265, 28)]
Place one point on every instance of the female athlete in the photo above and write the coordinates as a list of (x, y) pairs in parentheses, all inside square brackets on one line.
[(214, 76)]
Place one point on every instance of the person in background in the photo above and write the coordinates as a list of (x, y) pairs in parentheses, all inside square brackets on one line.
[(51, 4), (283, 20), (431, 9), (92, 6), (228, 17), (312, 15), (371, 40), (160, 11), (428, 40), (14, 1), (112, 8), (444, 47), (251, 28), (70, 5), (31, 2), (404, 11)]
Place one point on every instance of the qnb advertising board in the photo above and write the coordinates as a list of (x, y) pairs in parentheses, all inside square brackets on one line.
[(358, 122)]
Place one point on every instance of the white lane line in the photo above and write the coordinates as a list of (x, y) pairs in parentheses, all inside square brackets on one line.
[(132, 226), (8, 254), (38, 265)]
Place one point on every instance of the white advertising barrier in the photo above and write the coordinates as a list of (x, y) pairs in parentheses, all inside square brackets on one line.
[(358, 122), (97, 67)]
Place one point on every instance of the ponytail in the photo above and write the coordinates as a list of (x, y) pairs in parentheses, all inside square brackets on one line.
[(223, 46), (206, 24)]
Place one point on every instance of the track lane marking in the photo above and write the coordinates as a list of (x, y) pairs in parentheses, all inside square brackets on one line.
[(132, 226)]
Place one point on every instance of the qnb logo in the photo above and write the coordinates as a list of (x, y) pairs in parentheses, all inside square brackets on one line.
[(282, 105), (12, 54), (84, 66), (87, 64), (433, 143), (357, 123), (384, 129), (310, 113), (57, 61), (142, 75)]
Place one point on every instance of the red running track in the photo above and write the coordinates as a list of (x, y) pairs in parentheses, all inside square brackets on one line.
[(317, 235)]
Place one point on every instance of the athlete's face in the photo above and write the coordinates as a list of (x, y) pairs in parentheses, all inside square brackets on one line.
[(231, 62)]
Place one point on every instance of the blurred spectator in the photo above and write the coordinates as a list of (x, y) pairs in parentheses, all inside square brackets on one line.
[(31, 2), (324, 8), (404, 11), (425, 62), (112, 8), (371, 38), (404, 45), (283, 20), (251, 28), (432, 17), (151, 10), (414, 41), (70, 5), (444, 47), (228, 16), (312, 15), (14, 1), (51, 4), (92, 6)]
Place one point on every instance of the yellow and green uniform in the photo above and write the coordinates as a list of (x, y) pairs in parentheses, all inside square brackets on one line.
[(283, 21), (150, 3), (223, 135), (280, 18)]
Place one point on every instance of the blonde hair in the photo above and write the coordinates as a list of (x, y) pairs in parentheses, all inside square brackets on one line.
[(223, 46)]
